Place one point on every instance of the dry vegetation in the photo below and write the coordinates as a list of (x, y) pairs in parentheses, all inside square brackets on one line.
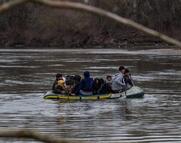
[(34, 25)]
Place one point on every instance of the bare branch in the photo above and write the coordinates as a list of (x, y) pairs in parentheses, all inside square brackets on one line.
[(7, 5), (30, 134)]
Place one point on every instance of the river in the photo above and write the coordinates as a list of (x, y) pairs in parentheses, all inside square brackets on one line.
[(26, 74)]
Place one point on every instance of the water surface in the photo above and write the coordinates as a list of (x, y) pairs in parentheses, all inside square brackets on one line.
[(26, 74)]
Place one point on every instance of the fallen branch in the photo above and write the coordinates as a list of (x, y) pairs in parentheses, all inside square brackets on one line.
[(30, 134)]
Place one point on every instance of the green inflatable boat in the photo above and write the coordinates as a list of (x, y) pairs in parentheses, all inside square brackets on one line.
[(133, 92)]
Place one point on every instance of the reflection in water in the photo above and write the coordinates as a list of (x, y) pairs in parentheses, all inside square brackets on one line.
[(26, 74)]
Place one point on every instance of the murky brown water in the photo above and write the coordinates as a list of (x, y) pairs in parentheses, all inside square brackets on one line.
[(26, 74)]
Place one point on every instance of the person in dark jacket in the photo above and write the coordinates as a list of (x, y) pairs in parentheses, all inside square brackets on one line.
[(96, 85), (106, 86), (76, 88), (86, 84), (127, 78)]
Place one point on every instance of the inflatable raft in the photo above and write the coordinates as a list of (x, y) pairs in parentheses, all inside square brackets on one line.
[(133, 92)]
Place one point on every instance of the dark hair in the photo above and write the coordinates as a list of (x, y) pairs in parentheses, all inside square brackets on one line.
[(126, 71), (77, 78), (102, 81), (86, 74), (108, 76), (121, 68), (58, 75), (69, 80)]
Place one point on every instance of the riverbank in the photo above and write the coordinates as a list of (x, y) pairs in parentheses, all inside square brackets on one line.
[(121, 39), (32, 25)]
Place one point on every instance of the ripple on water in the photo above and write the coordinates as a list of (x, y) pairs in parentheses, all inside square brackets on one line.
[(28, 73)]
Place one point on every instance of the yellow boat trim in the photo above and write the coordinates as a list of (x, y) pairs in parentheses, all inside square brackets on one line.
[(66, 97)]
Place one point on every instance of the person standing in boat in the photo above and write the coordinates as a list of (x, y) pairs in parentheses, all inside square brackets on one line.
[(86, 85), (118, 83)]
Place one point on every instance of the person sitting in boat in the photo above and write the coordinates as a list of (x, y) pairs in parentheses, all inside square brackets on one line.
[(106, 86), (118, 83), (109, 83), (127, 78), (96, 85), (109, 79), (69, 84), (76, 88), (86, 85), (58, 85)]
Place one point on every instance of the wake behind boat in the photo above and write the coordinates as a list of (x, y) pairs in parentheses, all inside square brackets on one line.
[(133, 92)]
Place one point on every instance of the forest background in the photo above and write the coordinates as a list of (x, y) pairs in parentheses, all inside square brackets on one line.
[(33, 25)]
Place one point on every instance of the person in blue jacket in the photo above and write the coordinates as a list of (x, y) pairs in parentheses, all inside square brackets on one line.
[(86, 85)]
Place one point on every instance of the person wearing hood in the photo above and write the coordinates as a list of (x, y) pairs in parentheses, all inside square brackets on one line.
[(86, 85)]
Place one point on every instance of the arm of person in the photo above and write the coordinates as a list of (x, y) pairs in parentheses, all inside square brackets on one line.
[(120, 80)]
